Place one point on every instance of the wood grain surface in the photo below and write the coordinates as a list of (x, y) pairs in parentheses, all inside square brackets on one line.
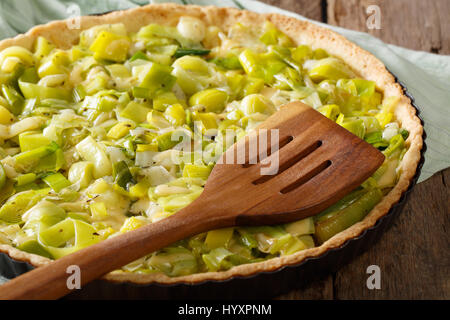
[(413, 255)]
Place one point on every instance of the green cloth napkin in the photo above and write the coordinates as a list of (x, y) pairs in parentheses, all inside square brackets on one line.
[(425, 75)]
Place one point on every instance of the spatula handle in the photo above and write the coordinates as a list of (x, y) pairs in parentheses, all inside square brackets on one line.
[(50, 281)]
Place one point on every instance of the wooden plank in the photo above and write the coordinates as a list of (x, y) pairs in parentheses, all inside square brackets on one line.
[(413, 255), (414, 24), (311, 9), (321, 289), (443, 9)]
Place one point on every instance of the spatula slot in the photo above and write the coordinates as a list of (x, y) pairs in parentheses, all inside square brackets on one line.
[(301, 181), (261, 156), (298, 157)]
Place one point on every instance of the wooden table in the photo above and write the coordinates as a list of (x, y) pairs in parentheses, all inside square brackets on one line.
[(413, 255)]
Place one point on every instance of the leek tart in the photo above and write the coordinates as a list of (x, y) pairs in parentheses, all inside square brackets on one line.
[(87, 119)]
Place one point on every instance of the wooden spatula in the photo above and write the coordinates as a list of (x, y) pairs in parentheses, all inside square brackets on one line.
[(319, 162)]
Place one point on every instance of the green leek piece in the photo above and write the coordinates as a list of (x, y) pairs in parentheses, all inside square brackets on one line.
[(34, 91), (132, 223), (106, 103), (53, 238), (87, 37), (301, 53), (196, 171), (7, 191), (331, 111), (34, 156), (56, 181), (2, 176), (6, 116), (23, 54), (155, 76), (174, 261), (33, 246), (320, 54), (57, 63), (396, 143), (168, 140), (140, 189), (91, 151), (77, 53), (17, 205), (205, 121), (118, 71), (273, 36), (29, 141), (46, 213), (247, 239), (190, 82), (404, 133), (307, 241), (364, 88), (195, 65), (251, 63), (213, 100), (81, 172), (122, 175), (139, 55), (135, 111), (98, 210), (355, 126), (371, 124), (158, 32), (110, 46), (79, 93), (301, 227), (15, 100), (52, 162), (83, 216), (42, 47), (120, 130), (329, 68), (257, 103), (23, 179), (175, 202), (252, 86), (175, 114), (236, 83), (31, 90), (11, 76), (271, 239), (215, 260), (193, 52), (229, 63), (341, 204), (142, 93), (97, 84), (348, 216), (376, 139), (163, 100), (218, 238)]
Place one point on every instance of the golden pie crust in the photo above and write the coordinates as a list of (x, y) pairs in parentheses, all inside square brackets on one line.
[(302, 32)]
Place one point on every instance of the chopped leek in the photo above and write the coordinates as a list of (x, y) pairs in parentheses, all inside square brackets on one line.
[(95, 140), (195, 52)]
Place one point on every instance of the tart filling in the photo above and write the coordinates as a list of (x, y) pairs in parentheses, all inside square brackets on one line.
[(87, 147)]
